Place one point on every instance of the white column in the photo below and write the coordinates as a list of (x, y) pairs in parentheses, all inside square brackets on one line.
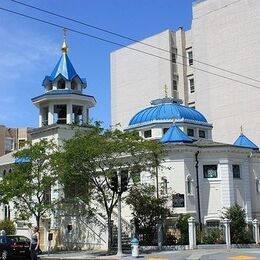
[(227, 185), (227, 232), (40, 118), (247, 192), (69, 113), (84, 115), (50, 114), (256, 231), (192, 233)]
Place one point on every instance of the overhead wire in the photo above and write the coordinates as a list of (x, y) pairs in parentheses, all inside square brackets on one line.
[(132, 39), (123, 45)]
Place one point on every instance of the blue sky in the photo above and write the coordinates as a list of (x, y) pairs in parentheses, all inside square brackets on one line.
[(29, 50)]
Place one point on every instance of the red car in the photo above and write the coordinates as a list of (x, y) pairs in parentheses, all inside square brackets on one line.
[(14, 247)]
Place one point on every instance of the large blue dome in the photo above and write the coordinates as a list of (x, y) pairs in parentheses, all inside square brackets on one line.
[(166, 111)]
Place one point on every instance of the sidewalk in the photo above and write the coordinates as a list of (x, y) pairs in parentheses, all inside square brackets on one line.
[(219, 254), (83, 255)]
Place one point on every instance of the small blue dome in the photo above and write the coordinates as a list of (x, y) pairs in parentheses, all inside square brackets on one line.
[(243, 141), (166, 111), (175, 135)]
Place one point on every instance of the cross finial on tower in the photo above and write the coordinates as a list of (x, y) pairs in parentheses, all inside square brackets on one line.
[(165, 90), (64, 47), (241, 129)]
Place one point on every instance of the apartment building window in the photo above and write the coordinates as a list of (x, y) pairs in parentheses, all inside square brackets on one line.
[(202, 134), (147, 133), (174, 54), (192, 86), (175, 85), (236, 171), (190, 58), (190, 132), (21, 143), (173, 57), (210, 171), (9, 144)]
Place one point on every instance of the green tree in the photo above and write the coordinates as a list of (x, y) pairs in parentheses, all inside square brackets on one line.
[(183, 226), (95, 156), (147, 210), (8, 226), (237, 217), (29, 184)]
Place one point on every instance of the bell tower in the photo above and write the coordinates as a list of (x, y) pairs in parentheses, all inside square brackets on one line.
[(64, 101)]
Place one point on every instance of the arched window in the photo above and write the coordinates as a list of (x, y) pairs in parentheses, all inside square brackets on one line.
[(164, 186), (74, 85), (61, 84), (257, 185), (10, 170), (49, 86), (189, 185), (4, 172)]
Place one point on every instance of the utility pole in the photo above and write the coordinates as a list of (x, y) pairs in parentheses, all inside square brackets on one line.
[(119, 228)]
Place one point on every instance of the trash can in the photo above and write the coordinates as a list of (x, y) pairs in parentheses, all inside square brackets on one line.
[(135, 247)]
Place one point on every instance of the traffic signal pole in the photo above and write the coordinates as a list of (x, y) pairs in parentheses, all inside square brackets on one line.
[(119, 228)]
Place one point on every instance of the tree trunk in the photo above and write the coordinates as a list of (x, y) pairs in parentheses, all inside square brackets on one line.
[(110, 232), (38, 218)]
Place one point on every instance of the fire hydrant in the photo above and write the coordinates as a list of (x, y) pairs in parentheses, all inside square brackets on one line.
[(135, 247)]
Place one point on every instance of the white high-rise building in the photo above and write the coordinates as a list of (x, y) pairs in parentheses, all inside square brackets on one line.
[(224, 34), (137, 78)]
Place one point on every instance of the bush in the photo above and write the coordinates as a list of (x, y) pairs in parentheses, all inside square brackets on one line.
[(213, 236), (238, 232), (8, 226), (183, 226)]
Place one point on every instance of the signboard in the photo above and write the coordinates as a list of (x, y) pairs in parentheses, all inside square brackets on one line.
[(178, 200)]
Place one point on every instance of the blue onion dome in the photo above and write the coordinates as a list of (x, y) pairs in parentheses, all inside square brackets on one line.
[(166, 109)]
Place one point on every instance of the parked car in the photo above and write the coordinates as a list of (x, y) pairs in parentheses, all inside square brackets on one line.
[(14, 247)]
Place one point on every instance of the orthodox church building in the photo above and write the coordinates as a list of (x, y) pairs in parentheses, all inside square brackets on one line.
[(201, 177)]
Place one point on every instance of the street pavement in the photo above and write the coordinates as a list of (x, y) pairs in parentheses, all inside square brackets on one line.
[(203, 254)]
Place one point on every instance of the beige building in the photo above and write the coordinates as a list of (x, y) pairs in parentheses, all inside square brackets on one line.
[(12, 139), (224, 34)]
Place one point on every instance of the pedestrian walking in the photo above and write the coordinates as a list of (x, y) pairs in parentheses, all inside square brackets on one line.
[(35, 243)]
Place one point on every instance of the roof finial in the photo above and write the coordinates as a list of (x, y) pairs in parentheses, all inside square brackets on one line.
[(165, 90), (64, 47), (241, 129)]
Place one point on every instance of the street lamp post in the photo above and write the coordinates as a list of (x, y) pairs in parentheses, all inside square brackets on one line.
[(119, 228)]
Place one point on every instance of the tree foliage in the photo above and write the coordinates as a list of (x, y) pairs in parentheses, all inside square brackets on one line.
[(183, 226), (147, 210), (28, 185), (93, 157), (237, 217), (8, 226)]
